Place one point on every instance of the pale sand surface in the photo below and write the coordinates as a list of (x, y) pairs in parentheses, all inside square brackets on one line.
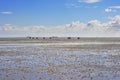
[(62, 59)]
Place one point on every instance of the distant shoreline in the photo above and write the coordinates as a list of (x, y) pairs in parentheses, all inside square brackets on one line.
[(58, 39)]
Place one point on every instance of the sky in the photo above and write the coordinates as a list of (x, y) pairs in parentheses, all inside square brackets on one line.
[(84, 18)]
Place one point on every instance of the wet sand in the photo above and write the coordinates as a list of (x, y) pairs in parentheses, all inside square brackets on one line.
[(62, 59)]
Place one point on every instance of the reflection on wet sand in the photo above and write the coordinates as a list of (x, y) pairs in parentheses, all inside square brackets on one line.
[(60, 62)]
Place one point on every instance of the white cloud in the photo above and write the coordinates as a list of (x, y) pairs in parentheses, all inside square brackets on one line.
[(78, 5), (116, 7), (6, 12), (89, 1), (112, 8), (29, 29), (108, 10), (73, 5), (93, 28)]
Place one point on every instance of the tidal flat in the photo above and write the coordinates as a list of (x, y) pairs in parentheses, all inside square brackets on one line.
[(69, 60)]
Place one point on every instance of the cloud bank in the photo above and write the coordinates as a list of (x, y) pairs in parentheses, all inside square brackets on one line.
[(89, 1), (93, 28), (6, 12), (112, 8)]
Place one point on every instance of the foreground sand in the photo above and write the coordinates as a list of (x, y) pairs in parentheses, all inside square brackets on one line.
[(60, 60)]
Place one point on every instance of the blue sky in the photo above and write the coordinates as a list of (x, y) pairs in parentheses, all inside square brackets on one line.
[(51, 13)]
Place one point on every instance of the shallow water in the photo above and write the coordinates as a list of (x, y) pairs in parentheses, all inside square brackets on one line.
[(58, 43), (43, 62)]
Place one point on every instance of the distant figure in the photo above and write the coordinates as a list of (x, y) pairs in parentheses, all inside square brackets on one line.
[(32, 37), (43, 37), (69, 37), (78, 38), (29, 37), (50, 38), (36, 37)]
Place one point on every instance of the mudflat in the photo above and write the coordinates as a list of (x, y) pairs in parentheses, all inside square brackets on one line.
[(60, 58)]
